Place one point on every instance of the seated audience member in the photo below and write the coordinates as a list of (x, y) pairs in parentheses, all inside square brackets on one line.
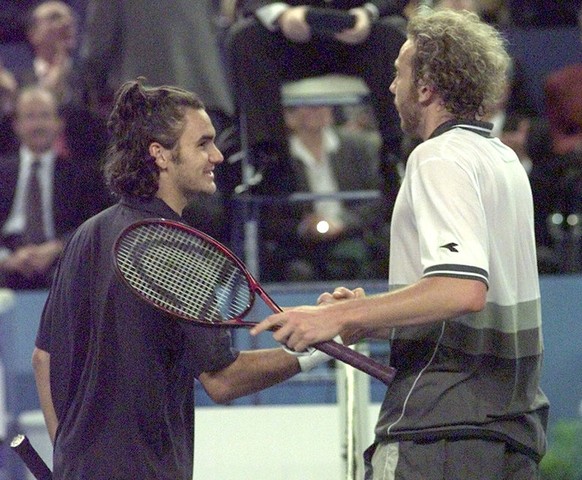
[(43, 196), (276, 42), (325, 238), (564, 109), (52, 36)]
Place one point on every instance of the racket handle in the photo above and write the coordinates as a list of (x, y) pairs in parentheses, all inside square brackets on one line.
[(358, 360), (22, 446)]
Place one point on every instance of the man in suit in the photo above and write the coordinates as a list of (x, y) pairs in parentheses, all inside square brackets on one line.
[(52, 36), (324, 239), (275, 42), (69, 192)]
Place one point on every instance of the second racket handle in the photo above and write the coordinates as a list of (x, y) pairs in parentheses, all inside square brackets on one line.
[(358, 360), (22, 446)]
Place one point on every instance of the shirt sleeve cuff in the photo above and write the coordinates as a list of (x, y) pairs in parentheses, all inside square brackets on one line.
[(373, 11), (269, 14)]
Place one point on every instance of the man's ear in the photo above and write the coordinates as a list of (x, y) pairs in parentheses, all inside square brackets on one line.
[(157, 151), (425, 94)]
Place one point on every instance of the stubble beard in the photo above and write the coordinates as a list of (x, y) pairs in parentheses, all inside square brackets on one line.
[(410, 113)]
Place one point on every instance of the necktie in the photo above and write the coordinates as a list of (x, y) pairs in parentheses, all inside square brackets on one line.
[(34, 230)]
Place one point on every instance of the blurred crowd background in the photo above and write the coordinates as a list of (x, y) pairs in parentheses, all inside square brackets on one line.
[(61, 62)]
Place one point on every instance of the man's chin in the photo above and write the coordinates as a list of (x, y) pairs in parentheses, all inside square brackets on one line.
[(209, 189)]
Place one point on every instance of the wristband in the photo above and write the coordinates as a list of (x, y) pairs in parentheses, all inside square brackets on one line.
[(311, 358)]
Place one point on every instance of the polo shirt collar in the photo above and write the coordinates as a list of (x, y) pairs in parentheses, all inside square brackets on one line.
[(154, 206), (476, 126)]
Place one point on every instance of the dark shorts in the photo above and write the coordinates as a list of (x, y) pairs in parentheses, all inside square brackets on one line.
[(471, 459)]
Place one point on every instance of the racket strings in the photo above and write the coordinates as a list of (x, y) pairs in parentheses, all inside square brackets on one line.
[(183, 273)]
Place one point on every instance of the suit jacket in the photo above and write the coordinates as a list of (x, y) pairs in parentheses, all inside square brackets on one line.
[(78, 193), (355, 166), (385, 7), (175, 45)]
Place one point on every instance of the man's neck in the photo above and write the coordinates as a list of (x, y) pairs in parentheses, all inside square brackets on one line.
[(434, 118), (313, 142)]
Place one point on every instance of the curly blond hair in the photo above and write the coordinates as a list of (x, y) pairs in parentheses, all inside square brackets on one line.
[(461, 57)]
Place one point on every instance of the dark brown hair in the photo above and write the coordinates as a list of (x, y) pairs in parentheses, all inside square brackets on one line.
[(142, 115)]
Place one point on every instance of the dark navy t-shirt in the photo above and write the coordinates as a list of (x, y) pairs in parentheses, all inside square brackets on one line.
[(122, 372)]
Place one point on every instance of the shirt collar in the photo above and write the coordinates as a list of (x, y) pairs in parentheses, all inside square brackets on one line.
[(476, 126), (27, 156), (331, 144), (154, 206)]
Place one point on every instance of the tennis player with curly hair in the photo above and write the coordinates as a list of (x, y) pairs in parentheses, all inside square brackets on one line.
[(462, 313)]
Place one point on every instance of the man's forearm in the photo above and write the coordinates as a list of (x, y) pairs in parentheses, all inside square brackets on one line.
[(42, 373)]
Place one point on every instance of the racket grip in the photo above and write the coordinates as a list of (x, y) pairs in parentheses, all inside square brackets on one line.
[(358, 360), (22, 446)]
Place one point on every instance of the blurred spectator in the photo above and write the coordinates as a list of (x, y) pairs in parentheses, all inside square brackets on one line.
[(171, 45), (322, 239), (564, 108), (276, 42), (66, 193), (52, 36), (564, 114)]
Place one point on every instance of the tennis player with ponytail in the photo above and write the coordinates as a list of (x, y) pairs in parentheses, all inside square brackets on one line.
[(463, 312), (115, 375)]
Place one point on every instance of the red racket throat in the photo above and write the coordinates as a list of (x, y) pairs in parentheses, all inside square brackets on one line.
[(188, 274)]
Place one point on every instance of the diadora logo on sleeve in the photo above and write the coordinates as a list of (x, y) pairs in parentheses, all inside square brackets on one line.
[(451, 246)]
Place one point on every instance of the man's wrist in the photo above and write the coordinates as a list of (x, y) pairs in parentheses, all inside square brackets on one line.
[(310, 359)]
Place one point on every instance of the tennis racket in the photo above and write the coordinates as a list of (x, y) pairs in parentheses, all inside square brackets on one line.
[(188, 274), (33, 461)]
